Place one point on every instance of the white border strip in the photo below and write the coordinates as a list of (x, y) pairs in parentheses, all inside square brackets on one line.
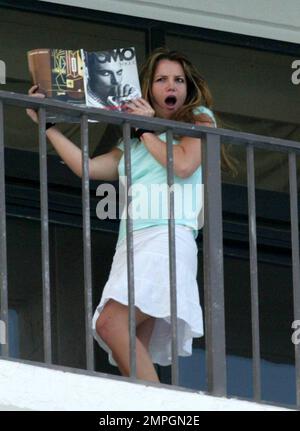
[(24, 386)]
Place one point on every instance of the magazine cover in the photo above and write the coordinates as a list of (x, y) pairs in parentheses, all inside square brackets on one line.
[(110, 78), (101, 79), (59, 72)]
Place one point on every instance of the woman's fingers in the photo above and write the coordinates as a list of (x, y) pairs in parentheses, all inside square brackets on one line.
[(39, 95), (140, 107), (33, 89), (143, 102), (139, 103), (33, 93)]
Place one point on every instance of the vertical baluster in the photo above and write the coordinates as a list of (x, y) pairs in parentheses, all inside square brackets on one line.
[(87, 243), (213, 268), (3, 245), (130, 252), (253, 274), (295, 259), (172, 257), (45, 237)]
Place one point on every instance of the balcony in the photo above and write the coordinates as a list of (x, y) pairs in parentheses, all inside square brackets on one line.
[(212, 241)]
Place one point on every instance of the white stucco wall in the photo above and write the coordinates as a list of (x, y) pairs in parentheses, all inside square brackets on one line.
[(272, 19), (25, 386)]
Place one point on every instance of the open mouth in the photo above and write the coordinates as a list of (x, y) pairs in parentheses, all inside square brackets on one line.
[(170, 100)]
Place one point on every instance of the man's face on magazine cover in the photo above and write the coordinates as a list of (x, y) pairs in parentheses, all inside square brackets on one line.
[(106, 77)]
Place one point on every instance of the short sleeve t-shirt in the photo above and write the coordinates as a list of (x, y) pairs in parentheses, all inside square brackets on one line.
[(149, 190)]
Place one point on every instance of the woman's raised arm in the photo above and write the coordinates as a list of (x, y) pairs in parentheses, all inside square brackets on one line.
[(104, 167)]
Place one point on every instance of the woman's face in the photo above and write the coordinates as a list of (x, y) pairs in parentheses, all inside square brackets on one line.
[(169, 88)]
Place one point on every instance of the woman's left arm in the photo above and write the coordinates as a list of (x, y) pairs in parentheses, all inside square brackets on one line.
[(186, 154)]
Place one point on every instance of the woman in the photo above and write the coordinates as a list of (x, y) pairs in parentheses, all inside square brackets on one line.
[(172, 89)]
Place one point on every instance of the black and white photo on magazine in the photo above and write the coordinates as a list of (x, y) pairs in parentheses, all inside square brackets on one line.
[(110, 78)]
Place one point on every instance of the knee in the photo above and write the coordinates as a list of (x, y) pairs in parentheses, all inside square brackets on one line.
[(103, 327), (108, 327), (112, 322)]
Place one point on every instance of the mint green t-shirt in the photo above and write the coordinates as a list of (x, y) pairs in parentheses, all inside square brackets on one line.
[(149, 190)]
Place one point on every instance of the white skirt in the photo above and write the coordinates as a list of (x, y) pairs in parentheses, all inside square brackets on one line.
[(152, 289)]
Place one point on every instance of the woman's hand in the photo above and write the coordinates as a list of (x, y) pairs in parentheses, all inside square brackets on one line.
[(140, 107), (31, 112)]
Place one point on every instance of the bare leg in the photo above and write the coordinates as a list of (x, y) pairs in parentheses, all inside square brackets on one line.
[(112, 326), (144, 331)]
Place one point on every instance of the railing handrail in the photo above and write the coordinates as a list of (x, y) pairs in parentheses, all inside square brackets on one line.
[(155, 124)]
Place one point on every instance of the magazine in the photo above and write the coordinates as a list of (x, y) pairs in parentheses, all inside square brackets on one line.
[(100, 79)]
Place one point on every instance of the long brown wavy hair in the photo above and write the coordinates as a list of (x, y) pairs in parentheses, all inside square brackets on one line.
[(198, 94)]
